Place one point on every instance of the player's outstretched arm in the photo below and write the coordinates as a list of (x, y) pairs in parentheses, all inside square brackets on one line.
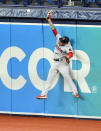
[(50, 22)]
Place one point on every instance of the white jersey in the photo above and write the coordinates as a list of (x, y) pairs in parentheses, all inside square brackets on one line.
[(59, 66), (61, 51)]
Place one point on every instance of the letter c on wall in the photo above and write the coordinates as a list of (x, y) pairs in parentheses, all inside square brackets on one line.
[(32, 67)]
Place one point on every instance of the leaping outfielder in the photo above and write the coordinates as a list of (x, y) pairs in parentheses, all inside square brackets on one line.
[(62, 53)]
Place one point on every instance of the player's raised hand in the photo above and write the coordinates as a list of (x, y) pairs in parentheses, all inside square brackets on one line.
[(49, 15)]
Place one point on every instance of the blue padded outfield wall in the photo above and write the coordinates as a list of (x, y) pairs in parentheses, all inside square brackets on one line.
[(26, 53)]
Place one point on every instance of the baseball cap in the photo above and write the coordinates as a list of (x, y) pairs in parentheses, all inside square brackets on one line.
[(64, 39)]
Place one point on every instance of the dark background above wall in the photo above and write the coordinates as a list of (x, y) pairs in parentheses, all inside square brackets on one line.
[(76, 13)]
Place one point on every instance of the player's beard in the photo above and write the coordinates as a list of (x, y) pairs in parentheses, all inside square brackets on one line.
[(61, 44)]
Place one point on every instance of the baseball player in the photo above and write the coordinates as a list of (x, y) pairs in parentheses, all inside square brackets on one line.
[(62, 53)]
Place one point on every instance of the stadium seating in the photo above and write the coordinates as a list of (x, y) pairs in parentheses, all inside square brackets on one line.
[(57, 3), (3, 1), (91, 3)]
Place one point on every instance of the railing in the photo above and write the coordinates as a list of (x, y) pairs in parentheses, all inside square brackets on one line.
[(56, 3)]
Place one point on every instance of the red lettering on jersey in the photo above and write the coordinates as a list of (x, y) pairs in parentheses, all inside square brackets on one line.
[(57, 47), (70, 50)]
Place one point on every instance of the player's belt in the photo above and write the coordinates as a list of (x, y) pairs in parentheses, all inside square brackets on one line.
[(58, 59)]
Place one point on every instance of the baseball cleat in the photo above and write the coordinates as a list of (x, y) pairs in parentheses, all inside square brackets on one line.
[(76, 95), (42, 97)]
